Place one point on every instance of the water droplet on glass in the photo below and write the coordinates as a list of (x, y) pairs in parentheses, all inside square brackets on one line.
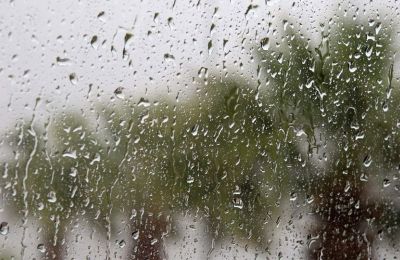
[(4, 228), (101, 16), (73, 172), (195, 130), (169, 57), (210, 47), (94, 42), (265, 43), (70, 154), (386, 182), (190, 179), (73, 78), (293, 196), (41, 248), (237, 203), (367, 160), (143, 102), (51, 197), (135, 234), (119, 93), (63, 61), (122, 244)]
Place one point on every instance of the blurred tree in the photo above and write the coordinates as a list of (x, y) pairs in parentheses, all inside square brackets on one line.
[(340, 96)]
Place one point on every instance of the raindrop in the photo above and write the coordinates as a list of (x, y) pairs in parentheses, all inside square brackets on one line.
[(190, 179), (73, 78), (128, 36), (367, 161), (285, 24), (101, 16), (119, 93), (143, 102), (210, 47), (293, 196), (385, 106), (265, 43), (238, 203), (63, 61), (170, 22), (4, 228), (94, 42), (169, 57), (195, 129), (135, 234), (73, 172), (70, 154), (212, 28), (122, 244), (41, 248), (352, 68), (249, 8), (51, 197)]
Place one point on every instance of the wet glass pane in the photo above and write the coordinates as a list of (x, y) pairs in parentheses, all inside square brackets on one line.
[(199, 129)]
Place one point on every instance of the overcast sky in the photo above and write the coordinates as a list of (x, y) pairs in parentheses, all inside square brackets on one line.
[(46, 42)]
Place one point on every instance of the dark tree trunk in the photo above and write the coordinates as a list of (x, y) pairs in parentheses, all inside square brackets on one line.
[(149, 234), (53, 251), (342, 211)]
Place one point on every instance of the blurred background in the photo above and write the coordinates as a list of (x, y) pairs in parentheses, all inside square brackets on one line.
[(199, 129)]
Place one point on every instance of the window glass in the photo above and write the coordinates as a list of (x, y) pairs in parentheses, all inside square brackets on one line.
[(202, 129)]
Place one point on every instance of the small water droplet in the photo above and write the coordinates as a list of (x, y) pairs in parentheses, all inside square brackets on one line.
[(212, 28), (73, 78), (210, 47), (70, 154), (63, 61), (385, 106), (94, 42), (190, 179), (170, 22), (101, 16), (238, 203), (195, 129), (352, 68), (73, 172)]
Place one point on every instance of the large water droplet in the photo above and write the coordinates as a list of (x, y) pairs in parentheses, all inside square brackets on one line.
[(4, 228), (41, 248), (265, 43), (135, 234), (51, 197), (367, 160), (118, 92)]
